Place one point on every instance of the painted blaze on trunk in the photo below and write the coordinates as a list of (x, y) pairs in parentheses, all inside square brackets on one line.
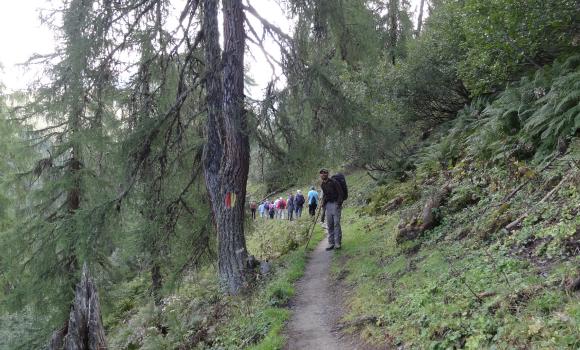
[(226, 153)]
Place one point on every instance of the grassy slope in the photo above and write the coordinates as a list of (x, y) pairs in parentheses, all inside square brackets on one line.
[(466, 283)]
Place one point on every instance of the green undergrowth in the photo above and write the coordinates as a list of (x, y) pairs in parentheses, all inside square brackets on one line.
[(259, 325), (269, 239), (197, 315), (467, 283)]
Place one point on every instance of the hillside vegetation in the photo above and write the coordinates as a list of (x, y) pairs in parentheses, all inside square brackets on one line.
[(468, 282), (129, 166)]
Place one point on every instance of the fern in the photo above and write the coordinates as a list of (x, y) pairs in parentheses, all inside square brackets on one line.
[(558, 114), (528, 117)]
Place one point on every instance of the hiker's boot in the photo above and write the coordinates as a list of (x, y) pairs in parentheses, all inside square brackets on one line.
[(330, 247), (337, 246)]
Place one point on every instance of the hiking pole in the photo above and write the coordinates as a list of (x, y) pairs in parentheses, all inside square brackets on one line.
[(311, 230)]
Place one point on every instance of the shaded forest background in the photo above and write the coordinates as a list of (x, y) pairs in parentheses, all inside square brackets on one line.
[(101, 159)]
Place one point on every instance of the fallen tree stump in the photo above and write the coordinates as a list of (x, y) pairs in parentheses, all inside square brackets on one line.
[(394, 204), (84, 330), (486, 294), (429, 218)]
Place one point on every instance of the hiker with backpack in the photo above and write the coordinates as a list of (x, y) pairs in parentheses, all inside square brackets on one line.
[(312, 201), (271, 209), (334, 192), (290, 205), (276, 207), (298, 203)]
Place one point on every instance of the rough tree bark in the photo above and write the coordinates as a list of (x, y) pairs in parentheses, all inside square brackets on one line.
[(420, 20), (226, 153), (84, 330), (393, 28)]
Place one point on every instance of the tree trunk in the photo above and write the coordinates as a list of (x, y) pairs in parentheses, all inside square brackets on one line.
[(85, 327), (262, 178), (420, 20), (226, 153), (156, 282), (393, 28), (76, 97), (153, 242)]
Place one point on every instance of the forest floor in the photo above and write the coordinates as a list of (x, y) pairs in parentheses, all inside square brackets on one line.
[(466, 283)]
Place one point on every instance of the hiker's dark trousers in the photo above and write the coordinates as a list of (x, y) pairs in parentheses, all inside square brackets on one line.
[(312, 209), (299, 211), (333, 222)]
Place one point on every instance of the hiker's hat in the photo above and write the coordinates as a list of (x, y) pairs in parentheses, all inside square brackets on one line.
[(323, 171)]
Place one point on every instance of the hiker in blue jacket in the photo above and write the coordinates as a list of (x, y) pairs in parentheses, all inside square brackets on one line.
[(312, 201)]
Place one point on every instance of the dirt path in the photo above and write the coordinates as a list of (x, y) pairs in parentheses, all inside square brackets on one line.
[(316, 308), (312, 311)]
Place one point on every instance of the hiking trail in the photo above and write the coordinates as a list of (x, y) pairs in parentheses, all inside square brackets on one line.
[(317, 307)]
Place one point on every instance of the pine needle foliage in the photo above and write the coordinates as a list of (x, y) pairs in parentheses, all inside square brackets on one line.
[(117, 183), (65, 221), (333, 110)]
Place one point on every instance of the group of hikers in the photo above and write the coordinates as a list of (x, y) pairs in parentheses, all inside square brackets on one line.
[(286, 208), (334, 193)]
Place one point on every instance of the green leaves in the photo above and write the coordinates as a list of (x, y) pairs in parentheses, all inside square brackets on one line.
[(558, 111), (505, 38), (528, 119)]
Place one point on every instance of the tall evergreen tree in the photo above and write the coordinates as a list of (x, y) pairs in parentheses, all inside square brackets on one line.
[(63, 224), (227, 151)]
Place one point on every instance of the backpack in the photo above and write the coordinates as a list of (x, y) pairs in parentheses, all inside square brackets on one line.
[(299, 199), (342, 181)]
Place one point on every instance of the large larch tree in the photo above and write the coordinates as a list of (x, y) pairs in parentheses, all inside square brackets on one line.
[(227, 149)]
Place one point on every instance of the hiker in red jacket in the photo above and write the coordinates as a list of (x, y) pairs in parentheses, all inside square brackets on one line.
[(281, 207)]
